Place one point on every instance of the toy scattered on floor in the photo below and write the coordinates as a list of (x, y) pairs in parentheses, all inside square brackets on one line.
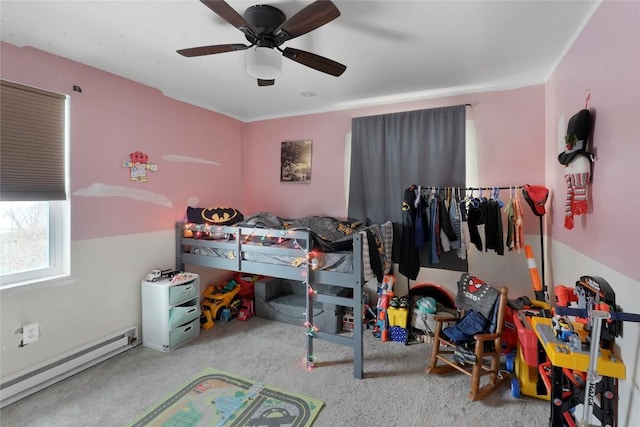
[(246, 310), (215, 299), (398, 317), (399, 334), (385, 293), (393, 313), (225, 314), (370, 316), (347, 321)]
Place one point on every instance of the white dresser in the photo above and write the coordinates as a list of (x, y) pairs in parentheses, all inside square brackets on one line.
[(170, 311)]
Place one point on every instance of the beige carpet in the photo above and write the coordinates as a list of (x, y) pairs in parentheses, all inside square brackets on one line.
[(395, 390)]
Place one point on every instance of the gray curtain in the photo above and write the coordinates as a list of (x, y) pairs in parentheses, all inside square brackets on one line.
[(390, 152)]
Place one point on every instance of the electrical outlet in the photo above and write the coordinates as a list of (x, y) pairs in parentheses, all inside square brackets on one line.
[(30, 333)]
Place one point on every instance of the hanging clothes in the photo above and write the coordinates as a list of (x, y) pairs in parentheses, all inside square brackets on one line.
[(434, 220), (475, 219), (493, 227), (455, 224), (445, 220), (454, 218), (464, 230), (409, 260), (518, 243), (422, 224), (509, 211)]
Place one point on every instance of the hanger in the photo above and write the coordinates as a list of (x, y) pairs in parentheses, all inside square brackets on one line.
[(416, 202), (496, 197)]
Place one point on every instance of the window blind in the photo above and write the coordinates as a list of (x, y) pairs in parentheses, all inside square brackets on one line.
[(32, 143)]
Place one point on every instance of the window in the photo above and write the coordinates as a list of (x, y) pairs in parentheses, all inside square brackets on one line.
[(29, 245), (34, 210)]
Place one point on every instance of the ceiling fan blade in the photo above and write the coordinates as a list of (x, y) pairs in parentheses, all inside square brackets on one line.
[(308, 19), (266, 82), (229, 14), (314, 61), (210, 50)]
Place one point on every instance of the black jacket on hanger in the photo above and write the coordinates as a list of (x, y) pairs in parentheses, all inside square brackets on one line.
[(409, 261)]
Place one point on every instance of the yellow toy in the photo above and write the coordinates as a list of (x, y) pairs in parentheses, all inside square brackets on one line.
[(215, 298)]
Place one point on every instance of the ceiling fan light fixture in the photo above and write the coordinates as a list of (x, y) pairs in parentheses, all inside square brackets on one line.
[(264, 63)]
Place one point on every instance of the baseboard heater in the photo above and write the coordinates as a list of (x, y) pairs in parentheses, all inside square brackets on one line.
[(32, 380)]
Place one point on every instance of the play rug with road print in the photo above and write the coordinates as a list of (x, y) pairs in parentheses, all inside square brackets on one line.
[(216, 398)]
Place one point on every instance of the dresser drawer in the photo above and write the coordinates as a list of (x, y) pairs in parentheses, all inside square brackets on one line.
[(170, 311), (184, 333), (184, 313), (184, 292)]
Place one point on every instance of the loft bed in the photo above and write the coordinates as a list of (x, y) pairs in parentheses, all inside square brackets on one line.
[(312, 250)]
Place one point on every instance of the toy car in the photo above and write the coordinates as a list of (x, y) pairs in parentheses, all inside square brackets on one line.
[(246, 310), (157, 274)]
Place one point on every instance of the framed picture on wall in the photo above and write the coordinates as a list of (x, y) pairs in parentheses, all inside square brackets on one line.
[(295, 161)]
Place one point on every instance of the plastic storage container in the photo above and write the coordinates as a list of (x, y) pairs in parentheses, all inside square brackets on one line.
[(398, 316)]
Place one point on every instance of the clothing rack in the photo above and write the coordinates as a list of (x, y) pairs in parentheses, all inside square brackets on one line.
[(470, 188), (544, 286)]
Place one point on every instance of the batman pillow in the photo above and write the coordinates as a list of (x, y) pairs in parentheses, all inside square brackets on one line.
[(217, 216)]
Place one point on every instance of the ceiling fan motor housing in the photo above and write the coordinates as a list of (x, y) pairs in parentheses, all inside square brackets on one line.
[(265, 20)]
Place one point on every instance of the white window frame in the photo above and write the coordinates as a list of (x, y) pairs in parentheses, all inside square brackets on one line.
[(59, 234)]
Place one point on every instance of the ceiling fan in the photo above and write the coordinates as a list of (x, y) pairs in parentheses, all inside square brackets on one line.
[(267, 28)]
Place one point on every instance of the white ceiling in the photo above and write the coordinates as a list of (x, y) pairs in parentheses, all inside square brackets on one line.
[(393, 50)]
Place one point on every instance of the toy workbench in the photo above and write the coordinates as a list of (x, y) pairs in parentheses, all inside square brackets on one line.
[(565, 378), (561, 355)]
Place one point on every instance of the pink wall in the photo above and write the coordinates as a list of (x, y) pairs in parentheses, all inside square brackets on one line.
[(113, 117), (324, 195), (605, 60), (510, 137)]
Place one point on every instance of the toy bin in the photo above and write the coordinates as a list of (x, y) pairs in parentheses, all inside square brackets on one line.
[(526, 361), (247, 285), (426, 322), (398, 334), (398, 316)]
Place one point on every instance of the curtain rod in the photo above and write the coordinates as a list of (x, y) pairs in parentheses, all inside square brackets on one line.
[(466, 188)]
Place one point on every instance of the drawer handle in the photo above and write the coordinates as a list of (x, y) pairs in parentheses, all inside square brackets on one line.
[(192, 310), (187, 329), (188, 288)]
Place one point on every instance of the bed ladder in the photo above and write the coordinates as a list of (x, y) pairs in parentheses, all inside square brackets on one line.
[(355, 303)]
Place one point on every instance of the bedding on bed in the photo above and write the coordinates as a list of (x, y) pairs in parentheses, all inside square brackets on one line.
[(330, 234), (332, 242)]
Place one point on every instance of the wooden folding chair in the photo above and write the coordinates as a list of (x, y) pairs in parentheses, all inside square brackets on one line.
[(480, 355)]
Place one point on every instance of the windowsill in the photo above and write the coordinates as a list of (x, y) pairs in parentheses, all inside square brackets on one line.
[(29, 285)]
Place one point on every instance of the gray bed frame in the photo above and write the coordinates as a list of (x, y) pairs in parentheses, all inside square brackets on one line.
[(235, 238)]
